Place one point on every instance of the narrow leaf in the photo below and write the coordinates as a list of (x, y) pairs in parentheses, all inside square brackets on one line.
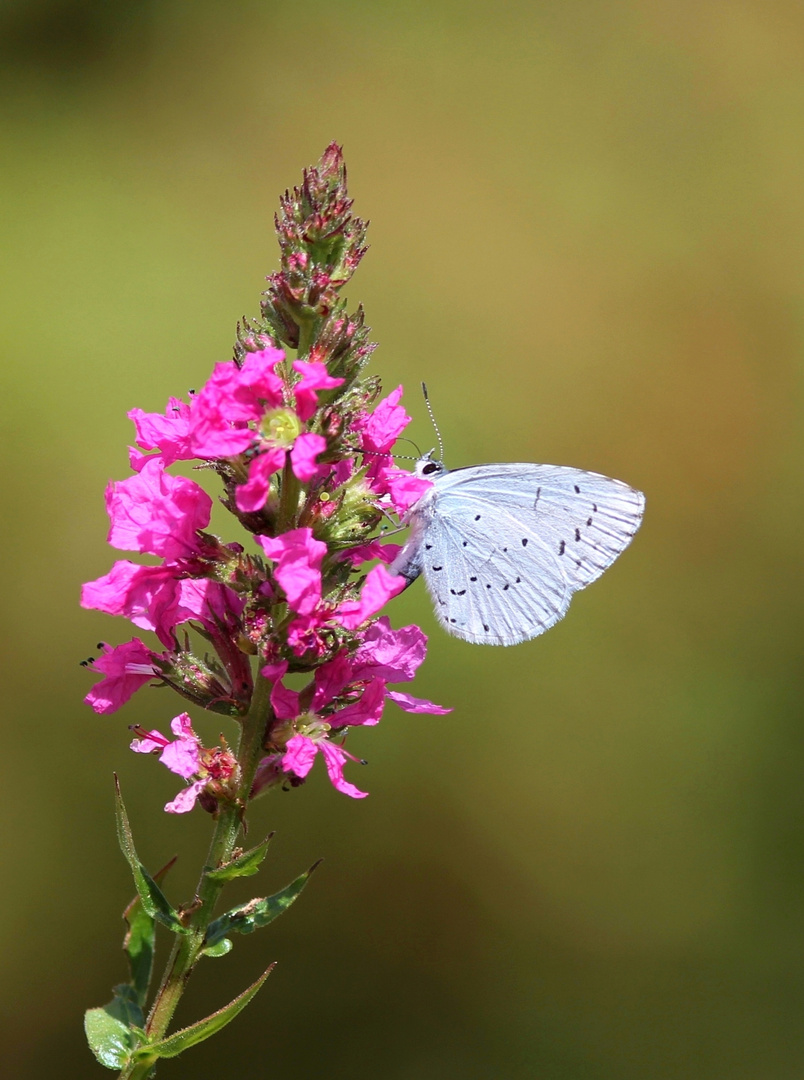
[(154, 901), (196, 1033), (110, 1028), (139, 941), (244, 865), (256, 913)]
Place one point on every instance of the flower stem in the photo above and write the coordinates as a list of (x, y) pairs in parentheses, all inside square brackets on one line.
[(187, 947)]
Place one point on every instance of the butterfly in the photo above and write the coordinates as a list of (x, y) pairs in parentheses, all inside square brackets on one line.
[(503, 547)]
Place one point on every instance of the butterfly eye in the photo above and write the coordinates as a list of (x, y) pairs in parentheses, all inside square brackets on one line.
[(429, 468)]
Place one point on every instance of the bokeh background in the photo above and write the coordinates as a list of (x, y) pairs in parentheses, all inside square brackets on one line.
[(587, 236)]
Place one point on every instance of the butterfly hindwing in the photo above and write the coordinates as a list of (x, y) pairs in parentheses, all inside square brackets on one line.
[(492, 581)]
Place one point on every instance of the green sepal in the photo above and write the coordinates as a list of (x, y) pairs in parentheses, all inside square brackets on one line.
[(220, 948), (139, 941), (154, 901), (115, 1029), (256, 913), (245, 865), (196, 1033)]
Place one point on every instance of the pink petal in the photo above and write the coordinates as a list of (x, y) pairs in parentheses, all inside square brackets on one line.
[(253, 495), (170, 434), (374, 549), (185, 800), (367, 711), (156, 513), (299, 755), (154, 740), (379, 588), (335, 757), (314, 377), (127, 667), (299, 557), (416, 705), (392, 655), (302, 457)]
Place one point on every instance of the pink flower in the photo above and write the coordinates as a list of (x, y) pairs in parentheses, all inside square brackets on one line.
[(298, 567), (303, 450), (155, 513), (374, 549), (169, 434), (186, 757), (126, 667), (231, 399), (379, 431), (379, 588), (182, 756), (314, 377), (300, 753)]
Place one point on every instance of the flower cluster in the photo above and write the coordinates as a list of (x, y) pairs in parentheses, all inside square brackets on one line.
[(301, 448)]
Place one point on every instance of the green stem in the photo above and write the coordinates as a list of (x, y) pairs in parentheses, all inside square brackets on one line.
[(187, 947)]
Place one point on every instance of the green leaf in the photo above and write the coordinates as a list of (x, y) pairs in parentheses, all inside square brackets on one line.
[(140, 940), (220, 948), (154, 901), (256, 913), (113, 1030), (196, 1033), (244, 865)]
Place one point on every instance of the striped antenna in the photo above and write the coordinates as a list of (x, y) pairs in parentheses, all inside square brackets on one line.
[(435, 425)]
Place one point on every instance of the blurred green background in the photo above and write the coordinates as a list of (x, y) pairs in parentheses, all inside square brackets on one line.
[(587, 236)]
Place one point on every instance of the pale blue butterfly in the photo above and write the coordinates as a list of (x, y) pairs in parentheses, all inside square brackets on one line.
[(503, 547)]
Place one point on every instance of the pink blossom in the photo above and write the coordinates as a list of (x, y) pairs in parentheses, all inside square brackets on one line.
[(155, 513), (300, 754), (306, 449), (186, 757), (127, 667), (416, 705), (379, 588), (253, 495), (374, 549), (298, 567), (231, 399), (169, 434), (314, 377), (392, 655), (182, 755), (379, 431)]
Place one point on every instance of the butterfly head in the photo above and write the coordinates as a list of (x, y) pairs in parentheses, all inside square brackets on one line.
[(428, 469)]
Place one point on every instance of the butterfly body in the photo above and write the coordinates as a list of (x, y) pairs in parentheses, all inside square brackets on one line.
[(503, 547)]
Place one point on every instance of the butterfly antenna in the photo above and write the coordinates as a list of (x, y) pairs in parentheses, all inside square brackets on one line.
[(433, 420)]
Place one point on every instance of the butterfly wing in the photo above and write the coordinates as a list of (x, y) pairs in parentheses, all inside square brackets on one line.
[(503, 547), (487, 586), (586, 519)]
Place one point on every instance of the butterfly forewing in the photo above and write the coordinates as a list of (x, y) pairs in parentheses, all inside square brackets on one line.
[(584, 518)]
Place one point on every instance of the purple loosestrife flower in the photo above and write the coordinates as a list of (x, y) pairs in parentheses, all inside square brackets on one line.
[(284, 439)]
